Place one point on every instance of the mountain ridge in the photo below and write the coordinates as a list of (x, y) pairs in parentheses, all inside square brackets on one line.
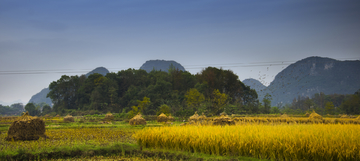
[(313, 75), (162, 65)]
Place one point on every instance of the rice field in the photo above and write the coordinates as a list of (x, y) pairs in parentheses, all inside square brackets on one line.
[(276, 142), (71, 137)]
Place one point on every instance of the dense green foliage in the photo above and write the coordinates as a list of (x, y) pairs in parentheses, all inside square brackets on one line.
[(325, 104), (14, 109), (118, 91)]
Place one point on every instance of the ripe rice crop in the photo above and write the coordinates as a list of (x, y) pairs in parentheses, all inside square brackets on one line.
[(277, 142)]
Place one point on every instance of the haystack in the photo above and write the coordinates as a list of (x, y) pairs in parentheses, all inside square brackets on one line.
[(109, 117), (69, 118), (162, 118), (223, 120), (284, 115), (26, 127), (344, 116), (202, 117), (137, 120), (358, 118), (170, 118), (194, 118), (315, 116)]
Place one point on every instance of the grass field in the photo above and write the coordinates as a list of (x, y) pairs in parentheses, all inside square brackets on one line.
[(92, 139)]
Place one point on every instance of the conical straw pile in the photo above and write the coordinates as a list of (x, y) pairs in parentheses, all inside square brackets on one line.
[(137, 120), (26, 127), (162, 118)]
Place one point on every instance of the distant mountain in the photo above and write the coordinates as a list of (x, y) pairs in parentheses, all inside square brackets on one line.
[(100, 70), (162, 65), (254, 84), (314, 75), (41, 96)]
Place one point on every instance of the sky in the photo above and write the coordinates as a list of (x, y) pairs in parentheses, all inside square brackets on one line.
[(40, 40)]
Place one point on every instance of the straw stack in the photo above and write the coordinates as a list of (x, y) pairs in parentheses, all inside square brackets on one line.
[(26, 127), (137, 120), (170, 118), (194, 118), (223, 120), (162, 118), (109, 117), (68, 118)]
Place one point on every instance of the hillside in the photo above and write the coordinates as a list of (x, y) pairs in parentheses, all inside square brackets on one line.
[(254, 84), (41, 96), (314, 75), (162, 65)]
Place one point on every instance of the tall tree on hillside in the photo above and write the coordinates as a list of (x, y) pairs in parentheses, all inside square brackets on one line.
[(33, 111), (194, 98), (267, 103), (64, 92), (218, 101), (352, 104)]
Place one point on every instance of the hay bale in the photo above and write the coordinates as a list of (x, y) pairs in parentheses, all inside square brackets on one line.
[(162, 118), (137, 120), (344, 116), (69, 118), (194, 118), (26, 127), (223, 120), (109, 117), (170, 118), (284, 115), (315, 116)]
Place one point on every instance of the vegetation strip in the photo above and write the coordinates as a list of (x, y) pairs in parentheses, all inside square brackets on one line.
[(278, 142)]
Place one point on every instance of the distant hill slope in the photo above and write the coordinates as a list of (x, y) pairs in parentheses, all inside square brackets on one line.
[(162, 65), (314, 75), (41, 96), (254, 84), (100, 70)]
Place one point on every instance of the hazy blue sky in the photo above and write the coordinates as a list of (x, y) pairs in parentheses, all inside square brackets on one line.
[(40, 40)]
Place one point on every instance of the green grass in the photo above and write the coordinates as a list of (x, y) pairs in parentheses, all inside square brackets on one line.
[(115, 150)]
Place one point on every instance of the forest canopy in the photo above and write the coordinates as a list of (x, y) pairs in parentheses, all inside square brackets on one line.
[(209, 91)]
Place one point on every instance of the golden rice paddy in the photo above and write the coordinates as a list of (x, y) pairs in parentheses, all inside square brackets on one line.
[(277, 142)]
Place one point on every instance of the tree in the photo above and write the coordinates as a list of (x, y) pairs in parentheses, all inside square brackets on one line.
[(194, 98), (164, 109), (143, 104), (133, 112), (46, 109), (329, 108), (218, 101), (64, 92), (351, 105), (267, 103), (33, 111), (274, 110)]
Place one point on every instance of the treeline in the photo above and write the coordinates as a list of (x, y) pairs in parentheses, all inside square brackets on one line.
[(332, 104), (177, 92), (14, 109)]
